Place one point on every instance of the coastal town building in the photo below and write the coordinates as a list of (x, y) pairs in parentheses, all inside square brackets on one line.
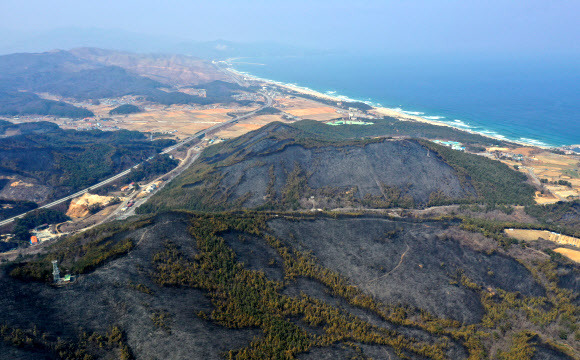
[(455, 145)]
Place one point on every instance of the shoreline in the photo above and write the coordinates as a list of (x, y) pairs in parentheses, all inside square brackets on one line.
[(395, 113)]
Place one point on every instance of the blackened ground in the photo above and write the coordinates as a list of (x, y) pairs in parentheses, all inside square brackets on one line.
[(108, 297), (546, 353), (404, 164), (256, 254), (14, 353), (396, 261), (346, 352), (320, 292), (569, 278), (407, 263)]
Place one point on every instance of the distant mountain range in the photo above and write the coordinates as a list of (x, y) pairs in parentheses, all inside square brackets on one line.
[(174, 70), (11, 41), (91, 73)]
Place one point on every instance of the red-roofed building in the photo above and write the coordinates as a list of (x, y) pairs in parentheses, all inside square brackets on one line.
[(33, 240)]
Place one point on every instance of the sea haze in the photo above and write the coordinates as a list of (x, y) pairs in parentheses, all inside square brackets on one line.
[(525, 100)]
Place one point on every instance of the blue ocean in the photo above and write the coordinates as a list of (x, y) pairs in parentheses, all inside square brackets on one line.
[(534, 101)]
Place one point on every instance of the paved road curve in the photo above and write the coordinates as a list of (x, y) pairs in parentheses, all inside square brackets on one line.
[(126, 172)]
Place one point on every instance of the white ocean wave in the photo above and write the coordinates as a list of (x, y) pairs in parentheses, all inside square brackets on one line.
[(493, 134), (533, 141), (434, 117), (307, 89), (416, 113), (462, 124)]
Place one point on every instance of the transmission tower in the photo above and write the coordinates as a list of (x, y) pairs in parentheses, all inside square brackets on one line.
[(55, 271)]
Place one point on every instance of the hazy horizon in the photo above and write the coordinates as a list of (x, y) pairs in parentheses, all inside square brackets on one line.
[(531, 28)]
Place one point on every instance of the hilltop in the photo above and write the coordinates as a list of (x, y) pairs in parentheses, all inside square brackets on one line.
[(280, 167)]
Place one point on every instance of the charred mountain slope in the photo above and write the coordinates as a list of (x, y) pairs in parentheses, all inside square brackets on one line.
[(281, 167), (243, 286)]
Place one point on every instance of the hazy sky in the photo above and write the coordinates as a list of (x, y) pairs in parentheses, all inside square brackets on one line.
[(504, 26)]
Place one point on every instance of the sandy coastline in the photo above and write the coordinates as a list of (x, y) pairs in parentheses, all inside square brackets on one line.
[(395, 113)]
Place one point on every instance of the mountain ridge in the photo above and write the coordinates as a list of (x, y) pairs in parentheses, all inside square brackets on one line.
[(280, 167)]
